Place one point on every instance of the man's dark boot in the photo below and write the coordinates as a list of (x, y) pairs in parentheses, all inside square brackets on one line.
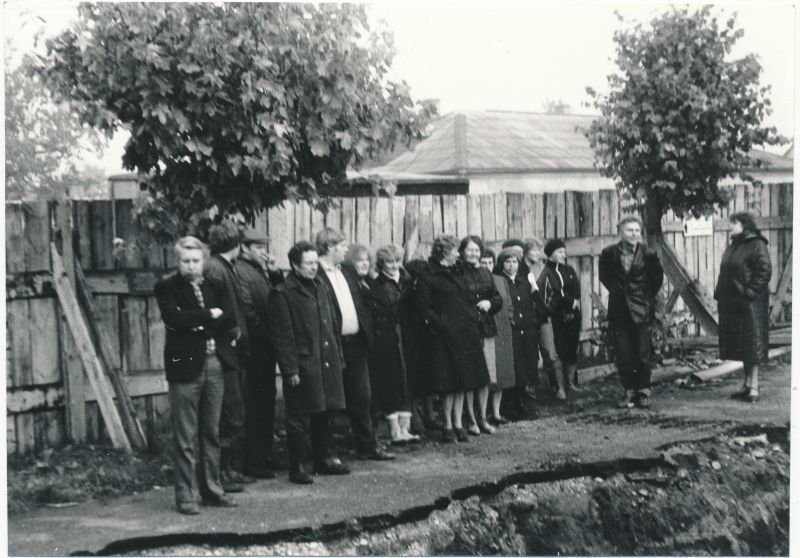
[(571, 377), (229, 484)]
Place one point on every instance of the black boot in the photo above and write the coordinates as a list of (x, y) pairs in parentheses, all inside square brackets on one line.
[(229, 484)]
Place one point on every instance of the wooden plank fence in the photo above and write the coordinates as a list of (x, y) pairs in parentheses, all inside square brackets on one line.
[(40, 352)]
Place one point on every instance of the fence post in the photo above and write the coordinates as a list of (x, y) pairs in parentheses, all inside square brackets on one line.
[(72, 367)]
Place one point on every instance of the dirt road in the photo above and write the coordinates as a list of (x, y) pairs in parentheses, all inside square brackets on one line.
[(589, 430)]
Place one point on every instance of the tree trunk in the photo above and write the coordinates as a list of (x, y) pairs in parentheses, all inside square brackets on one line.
[(692, 292), (651, 214)]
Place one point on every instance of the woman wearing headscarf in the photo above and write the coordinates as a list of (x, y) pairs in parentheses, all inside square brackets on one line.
[(561, 291), (502, 348), (456, 356), (524, 328), (483, 294), (742, 296), (388, 385)]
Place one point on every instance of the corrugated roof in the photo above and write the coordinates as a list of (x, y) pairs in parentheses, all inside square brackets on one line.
[(494, 142)]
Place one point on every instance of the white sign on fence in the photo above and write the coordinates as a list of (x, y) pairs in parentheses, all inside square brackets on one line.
[(704, 226)]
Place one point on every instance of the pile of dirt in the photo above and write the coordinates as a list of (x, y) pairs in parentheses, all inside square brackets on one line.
[(724, 496), (72, 474)]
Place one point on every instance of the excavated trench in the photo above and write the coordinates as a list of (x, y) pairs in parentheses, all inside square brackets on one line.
[(726, 495)]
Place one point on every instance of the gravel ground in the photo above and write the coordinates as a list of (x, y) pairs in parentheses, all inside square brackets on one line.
[(428, 477)]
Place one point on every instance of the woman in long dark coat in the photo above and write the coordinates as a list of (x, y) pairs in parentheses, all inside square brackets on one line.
[(742, 295), (502, 349), (456, 356), (389, 298), (524, 328), (483, 294), (415, 348)]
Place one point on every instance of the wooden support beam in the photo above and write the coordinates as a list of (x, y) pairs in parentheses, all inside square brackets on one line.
[(673, 298), (130, 421), (721, 224), (783, 289), (693, 293), (72, 369), (775, 340), (91, 363), (598, 303), (49, 397)]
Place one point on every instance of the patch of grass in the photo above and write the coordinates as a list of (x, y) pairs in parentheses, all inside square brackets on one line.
[(80, 473)]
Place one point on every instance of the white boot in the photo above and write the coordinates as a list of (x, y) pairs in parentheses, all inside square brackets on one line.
[(405, 424), (394, 429)]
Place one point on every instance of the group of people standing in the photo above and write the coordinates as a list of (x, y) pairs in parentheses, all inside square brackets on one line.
[(381, 339)]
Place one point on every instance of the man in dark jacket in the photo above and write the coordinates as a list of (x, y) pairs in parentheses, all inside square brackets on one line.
[(224, 242), (305, 329), (633, 276), (356, 336), (256, 280), (198, 326)]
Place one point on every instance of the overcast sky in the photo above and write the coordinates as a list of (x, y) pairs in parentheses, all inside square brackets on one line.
[(516, 56)]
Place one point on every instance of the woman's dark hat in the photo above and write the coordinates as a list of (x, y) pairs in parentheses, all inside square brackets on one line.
[(553, 245)]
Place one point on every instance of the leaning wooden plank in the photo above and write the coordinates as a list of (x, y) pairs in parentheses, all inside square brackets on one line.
[(694, 295), (673, 298), (130, 421), (731, 366), (91, 362), (783, 289)]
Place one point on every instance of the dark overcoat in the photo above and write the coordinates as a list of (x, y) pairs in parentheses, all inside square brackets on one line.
[(742, 295), (504, 340), (631, 294), (383, 298), (413, 328), (188, 325), (526, 318), (218, 271), (305, 333), (480, 286), (254, 288), (456, 360)]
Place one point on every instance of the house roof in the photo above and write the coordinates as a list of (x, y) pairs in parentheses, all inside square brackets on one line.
[(499, 142)]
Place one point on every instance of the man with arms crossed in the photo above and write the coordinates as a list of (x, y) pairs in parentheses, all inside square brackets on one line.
[(197, 326)]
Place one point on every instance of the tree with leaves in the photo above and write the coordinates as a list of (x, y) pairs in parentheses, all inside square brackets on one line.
[(234, 108), (44, 141), (680, 115)]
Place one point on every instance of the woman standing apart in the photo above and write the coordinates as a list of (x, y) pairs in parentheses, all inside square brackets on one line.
[(742, 296), (456, 354), (483, 294), (502, 347)]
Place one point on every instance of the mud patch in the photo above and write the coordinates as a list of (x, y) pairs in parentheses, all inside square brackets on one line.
[(724, 496)]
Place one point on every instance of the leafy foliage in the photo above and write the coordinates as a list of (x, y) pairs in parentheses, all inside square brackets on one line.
[(235, 107), (43, 141), (680, 116)]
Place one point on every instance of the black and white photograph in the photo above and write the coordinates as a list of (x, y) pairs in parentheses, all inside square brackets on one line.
[(461, 278)]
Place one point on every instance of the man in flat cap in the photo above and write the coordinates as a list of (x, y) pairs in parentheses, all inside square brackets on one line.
[(257, 275)]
